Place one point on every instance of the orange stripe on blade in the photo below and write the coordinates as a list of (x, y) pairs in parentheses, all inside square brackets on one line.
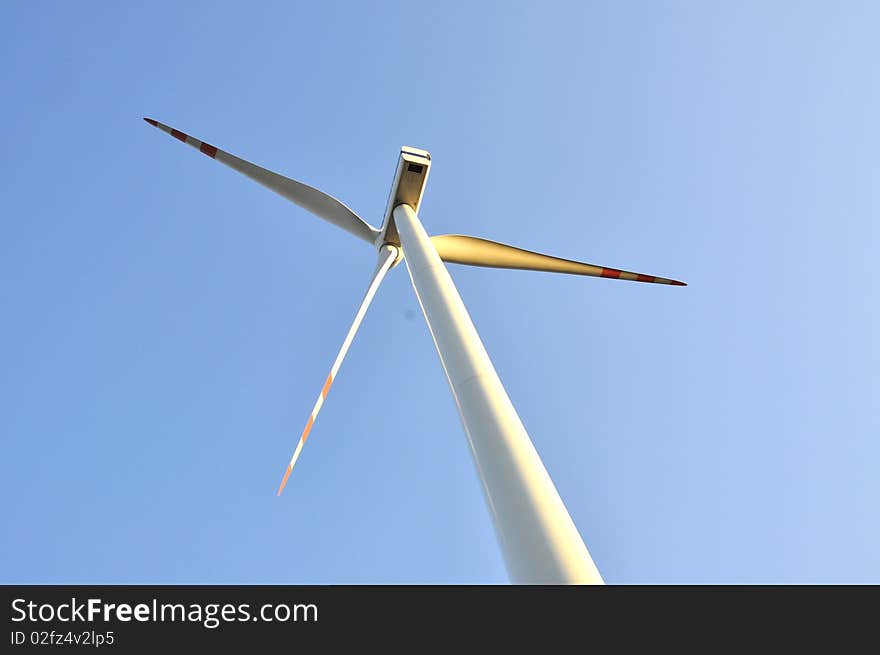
[(284, 481), (305, 433), (326, 388)]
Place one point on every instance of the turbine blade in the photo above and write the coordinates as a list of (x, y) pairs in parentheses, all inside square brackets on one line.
[(317, 202), (387, 257), (473, 251)]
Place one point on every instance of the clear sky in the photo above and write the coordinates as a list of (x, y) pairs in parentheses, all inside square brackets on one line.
[(166, 324)]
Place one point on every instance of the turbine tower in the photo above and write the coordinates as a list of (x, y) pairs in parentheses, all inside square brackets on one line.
[(539, 540)]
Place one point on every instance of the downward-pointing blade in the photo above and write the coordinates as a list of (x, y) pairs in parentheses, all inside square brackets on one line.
[(387, 255), (309, 198), (474, 251)]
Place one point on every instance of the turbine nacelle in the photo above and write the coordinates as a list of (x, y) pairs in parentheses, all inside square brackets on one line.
[(407, 188)]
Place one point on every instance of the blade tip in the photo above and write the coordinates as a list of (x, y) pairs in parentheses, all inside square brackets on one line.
[(284, 480), (678, 283), (152, 121)]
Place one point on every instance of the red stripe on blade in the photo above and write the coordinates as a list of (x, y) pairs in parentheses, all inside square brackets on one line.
[(208, 149), (645, 278), (152, 122), (178, 135), (610, 272)]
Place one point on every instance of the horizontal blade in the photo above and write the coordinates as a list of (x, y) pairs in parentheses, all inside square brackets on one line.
[(387, 255), (461, 249), (317, 202)]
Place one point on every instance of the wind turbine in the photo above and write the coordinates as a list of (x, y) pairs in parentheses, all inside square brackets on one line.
[(538, 538)]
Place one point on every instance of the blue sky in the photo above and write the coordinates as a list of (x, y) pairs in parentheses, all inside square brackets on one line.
[(167, 324)]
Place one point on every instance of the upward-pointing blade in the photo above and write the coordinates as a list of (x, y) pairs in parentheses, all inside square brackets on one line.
[(317, 202), (387, 255), (461, 249)]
